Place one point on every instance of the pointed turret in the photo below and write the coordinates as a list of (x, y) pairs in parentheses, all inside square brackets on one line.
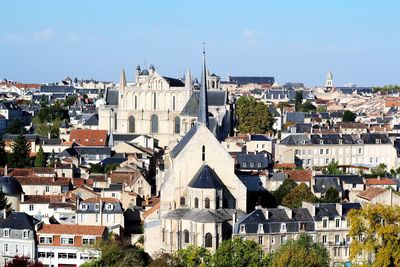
[(203, 103), (122, 80), (188, 80)]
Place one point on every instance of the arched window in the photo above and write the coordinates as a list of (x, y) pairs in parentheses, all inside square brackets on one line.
[(186, 236), (154, 101), (203, 153), (173, 103), (136, 104), (208, 240), (177, 125), (196, 202), (115, 121), (207, 203), (131, 124), (182, 201), (154, 124)]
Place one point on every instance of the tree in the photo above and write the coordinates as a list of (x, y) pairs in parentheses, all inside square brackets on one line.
[(70, 101), (298, 100), (4, 205), (164, 259), (237, 253), (285, 188), (348, 116), (96, 168), (253, 116), (3, 155), (307, 107), (332, 168), (377, 225), (331, 196), (40, 160), (301, 252), (21, 149), (194, 256), (15, 127), (299, 194), (379, 171), (23, 262)]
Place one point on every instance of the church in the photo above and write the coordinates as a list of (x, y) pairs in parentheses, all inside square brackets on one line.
[(200, 195), (162, 107)]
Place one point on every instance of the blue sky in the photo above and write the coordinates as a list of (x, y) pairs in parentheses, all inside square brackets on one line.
[(44, 41)]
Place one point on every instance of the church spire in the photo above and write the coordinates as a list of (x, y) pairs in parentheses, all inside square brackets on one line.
[(122, 80), (203, 103)]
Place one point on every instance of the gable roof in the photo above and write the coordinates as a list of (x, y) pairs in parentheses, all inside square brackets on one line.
[(19, 221), (371, 192), (89, 137), (72, 229), (181, 145)]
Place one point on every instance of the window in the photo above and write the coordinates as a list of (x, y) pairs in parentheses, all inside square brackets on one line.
[(196, 202), (25, 234), (182, 201), (208, 240), (359, 151), (136, 103), (47, 188), (109, 206), (83, 206), (252, 164), (131, 124), (283, 239), (5, 247), (67, 240), (154, 101), (62, 255), (242, 228), (186, 236), (42, 254), (177, 125), (6, 232), (50, 255), (259, 165), (71, 255), (97, 206), (283, 227), (354, 185), (173, 103), (31, 207), (325, 223), (321, 151), (244, 164), (115, 121), (113, 195), (46, 240), (203, 153), (207, 203), (272, 240), (324, 239), (87, 241), (154, 124), (327, 151), (337, 239), (337, 222), (260, 240), (260, 228)]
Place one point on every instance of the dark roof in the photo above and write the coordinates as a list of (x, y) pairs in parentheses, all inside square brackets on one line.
[(214, 97), (174, 82), (371, 138), (93, 150), (124, 137), (50, 141), (93, 120), (19, 221), (253, 161), (322, 184), (252, 79), (28, 137), (206, 178), (295, 117), (181, 145), (329, 210), (203, 216), (10, 186), (57, 89), (259, 137), (112, 97)]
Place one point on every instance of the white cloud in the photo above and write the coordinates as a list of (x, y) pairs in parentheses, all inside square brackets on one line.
[(45, 34)]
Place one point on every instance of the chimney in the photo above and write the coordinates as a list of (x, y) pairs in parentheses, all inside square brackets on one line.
[(265, 211), (234, 217), (22, 197), (339, 209), (6, 170)]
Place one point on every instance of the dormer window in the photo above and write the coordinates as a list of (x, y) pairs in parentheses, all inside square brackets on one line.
[(252, 164), (242, 228), (97, 206), (340, 141), (261, 228), (83, 207), (244, 164), (6, 232), (283, 227), (378, 141), (321, 142), (25, 234), (109, 206)]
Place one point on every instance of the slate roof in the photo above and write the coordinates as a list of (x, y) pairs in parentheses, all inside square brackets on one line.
[(10, 186), (112, 97), (91, 206), (322, 184), (295, 140), (370, 138), (242, 80), (295, 117), (253, 161), (259, 137), (124, 137), (19, 221), (203, 216), (174, 82), (93, 150), (214, 97), (57, 89), (329, 210), (206, 178), (276, 216), (181, 145), (92, 121)]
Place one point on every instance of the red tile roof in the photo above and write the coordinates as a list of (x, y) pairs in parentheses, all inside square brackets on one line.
[(87, 137), (371, 192), (150, 211), (35, 180), (380, 181), (69, 229), (299, 175), (20, 172), (104, 199), (42, 199), (284, 166)]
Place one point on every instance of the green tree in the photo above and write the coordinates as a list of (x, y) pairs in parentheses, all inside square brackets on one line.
[(44, 101), (164, 259), (307, 107), (4, 205), (96, 168), (15, 127), (348, 116), (70, 101), (20, 157), (332, 168), (380, 243), (3, 154), (40, 160), (285, 188), (253, 116), (379, 171), (299, 194), (331, 196), (301, 252), (298, 100), (237, 253), (194, 256)]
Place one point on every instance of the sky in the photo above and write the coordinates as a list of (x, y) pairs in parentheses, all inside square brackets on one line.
[(294, 41)]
